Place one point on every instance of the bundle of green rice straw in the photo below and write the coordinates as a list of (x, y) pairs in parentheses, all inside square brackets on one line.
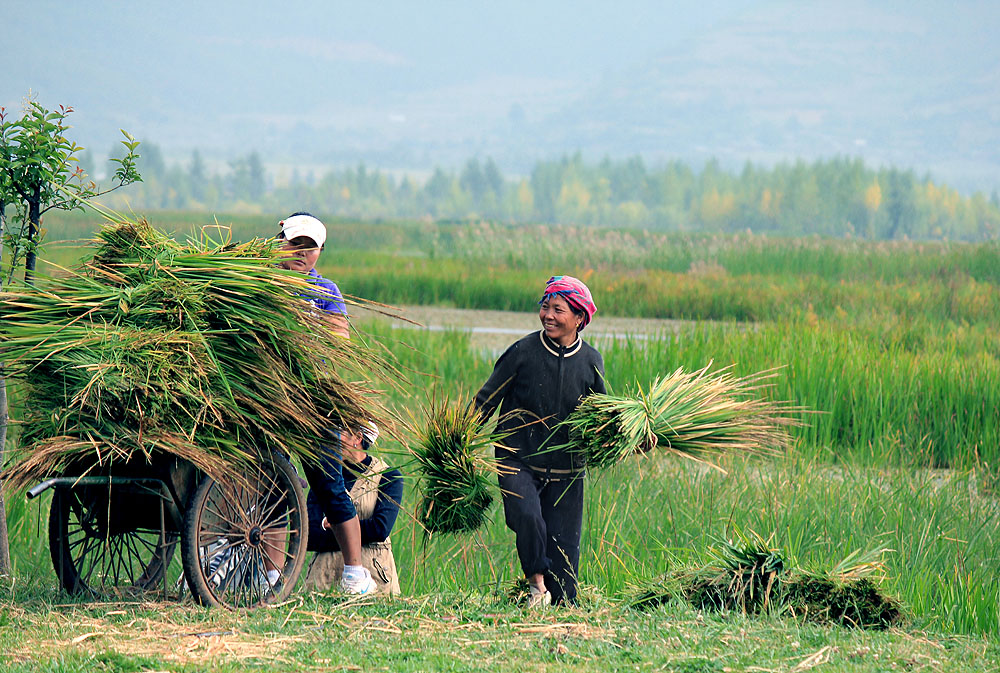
[(457, 474), (693, 414), (202, 350), (748, 575)]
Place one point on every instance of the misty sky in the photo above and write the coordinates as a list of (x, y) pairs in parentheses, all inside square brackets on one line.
[(229, 75), (312, 59)]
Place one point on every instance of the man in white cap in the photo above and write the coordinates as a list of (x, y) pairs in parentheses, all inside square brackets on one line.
[(304, 238)]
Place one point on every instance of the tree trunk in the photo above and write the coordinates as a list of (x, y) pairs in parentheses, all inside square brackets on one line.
[(34, 222), (4, 542)]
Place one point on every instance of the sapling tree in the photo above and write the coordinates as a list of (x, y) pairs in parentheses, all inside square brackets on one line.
[(39, 171)]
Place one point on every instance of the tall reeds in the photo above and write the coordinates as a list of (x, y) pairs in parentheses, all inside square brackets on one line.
[(684, 275)]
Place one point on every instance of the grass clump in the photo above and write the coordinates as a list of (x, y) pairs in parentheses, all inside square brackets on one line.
[(749, 576), (202, 350), (848, 602), (692, 414), (457, 477)]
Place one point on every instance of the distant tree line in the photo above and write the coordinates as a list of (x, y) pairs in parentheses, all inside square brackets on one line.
[(837, 197)]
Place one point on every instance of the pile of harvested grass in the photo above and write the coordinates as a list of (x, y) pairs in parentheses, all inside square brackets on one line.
[(202, 350), (747, 575), (848, 602), (457, 475), (692, 414)]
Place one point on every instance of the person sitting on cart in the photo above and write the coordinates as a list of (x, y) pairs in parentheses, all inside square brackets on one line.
[(305, 236), (376, 491)]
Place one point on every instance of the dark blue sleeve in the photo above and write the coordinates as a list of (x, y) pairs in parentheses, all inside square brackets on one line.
[(390, 497), (599, 384)]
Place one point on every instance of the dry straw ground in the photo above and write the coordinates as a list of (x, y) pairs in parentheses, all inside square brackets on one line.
[(314, 633)]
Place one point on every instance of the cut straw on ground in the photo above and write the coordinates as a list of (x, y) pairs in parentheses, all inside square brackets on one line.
[(747, 574)]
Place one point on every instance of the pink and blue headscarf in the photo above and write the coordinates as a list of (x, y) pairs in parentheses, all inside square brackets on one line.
[(576, 294)]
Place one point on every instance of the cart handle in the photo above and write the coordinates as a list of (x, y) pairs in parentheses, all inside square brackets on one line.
[(67, 482)]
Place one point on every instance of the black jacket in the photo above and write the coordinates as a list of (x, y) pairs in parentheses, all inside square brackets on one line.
[(536, 384)]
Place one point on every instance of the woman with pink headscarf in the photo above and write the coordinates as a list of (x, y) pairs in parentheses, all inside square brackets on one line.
[(537, 382)]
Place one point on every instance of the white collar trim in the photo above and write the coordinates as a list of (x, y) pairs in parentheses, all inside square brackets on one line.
[(570, 350)]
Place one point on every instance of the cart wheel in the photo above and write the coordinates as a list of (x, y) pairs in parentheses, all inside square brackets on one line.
[(244, 543), (95, 550)]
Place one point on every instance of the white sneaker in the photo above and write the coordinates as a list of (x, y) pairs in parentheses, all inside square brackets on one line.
[(539, 599), (267, 583), (358, 585)]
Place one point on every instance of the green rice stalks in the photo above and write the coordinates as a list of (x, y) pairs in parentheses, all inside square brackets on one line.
[(691, 414), (457, 475), (748, 566), (748, 575), (204, 350)]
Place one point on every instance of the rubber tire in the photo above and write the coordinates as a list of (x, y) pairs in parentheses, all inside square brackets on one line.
[(275, 485)]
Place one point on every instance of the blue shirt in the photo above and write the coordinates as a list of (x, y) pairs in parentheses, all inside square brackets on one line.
[(326, 296)]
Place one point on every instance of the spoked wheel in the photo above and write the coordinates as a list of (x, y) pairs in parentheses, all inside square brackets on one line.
[(244, 541), (98, 546)]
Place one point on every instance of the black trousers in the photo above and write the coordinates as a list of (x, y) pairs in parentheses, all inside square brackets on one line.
[(546, 516)]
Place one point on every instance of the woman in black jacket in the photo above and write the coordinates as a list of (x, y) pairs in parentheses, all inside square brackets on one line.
[(537, 382)]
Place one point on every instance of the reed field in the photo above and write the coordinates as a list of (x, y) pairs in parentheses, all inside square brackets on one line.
[(742, 277), (892, 347), (866, 484)]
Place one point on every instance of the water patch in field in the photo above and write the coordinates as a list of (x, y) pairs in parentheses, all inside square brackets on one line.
[(475, 329), (495, 330)]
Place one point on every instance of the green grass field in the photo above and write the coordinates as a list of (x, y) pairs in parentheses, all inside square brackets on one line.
[(893, 346), (865, 473)]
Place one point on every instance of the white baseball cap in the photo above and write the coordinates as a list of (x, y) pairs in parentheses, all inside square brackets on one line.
[(304, 225), (370, 432)]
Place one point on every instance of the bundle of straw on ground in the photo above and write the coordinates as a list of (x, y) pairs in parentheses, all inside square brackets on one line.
[(693, 414), (457, 475), (749, 576), (202, 350)]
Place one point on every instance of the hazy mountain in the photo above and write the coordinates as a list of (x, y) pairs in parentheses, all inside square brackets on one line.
[(807, 81), (413, 85)]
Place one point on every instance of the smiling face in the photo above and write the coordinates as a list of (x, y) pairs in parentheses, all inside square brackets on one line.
[(558, 320), (302, 254)]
